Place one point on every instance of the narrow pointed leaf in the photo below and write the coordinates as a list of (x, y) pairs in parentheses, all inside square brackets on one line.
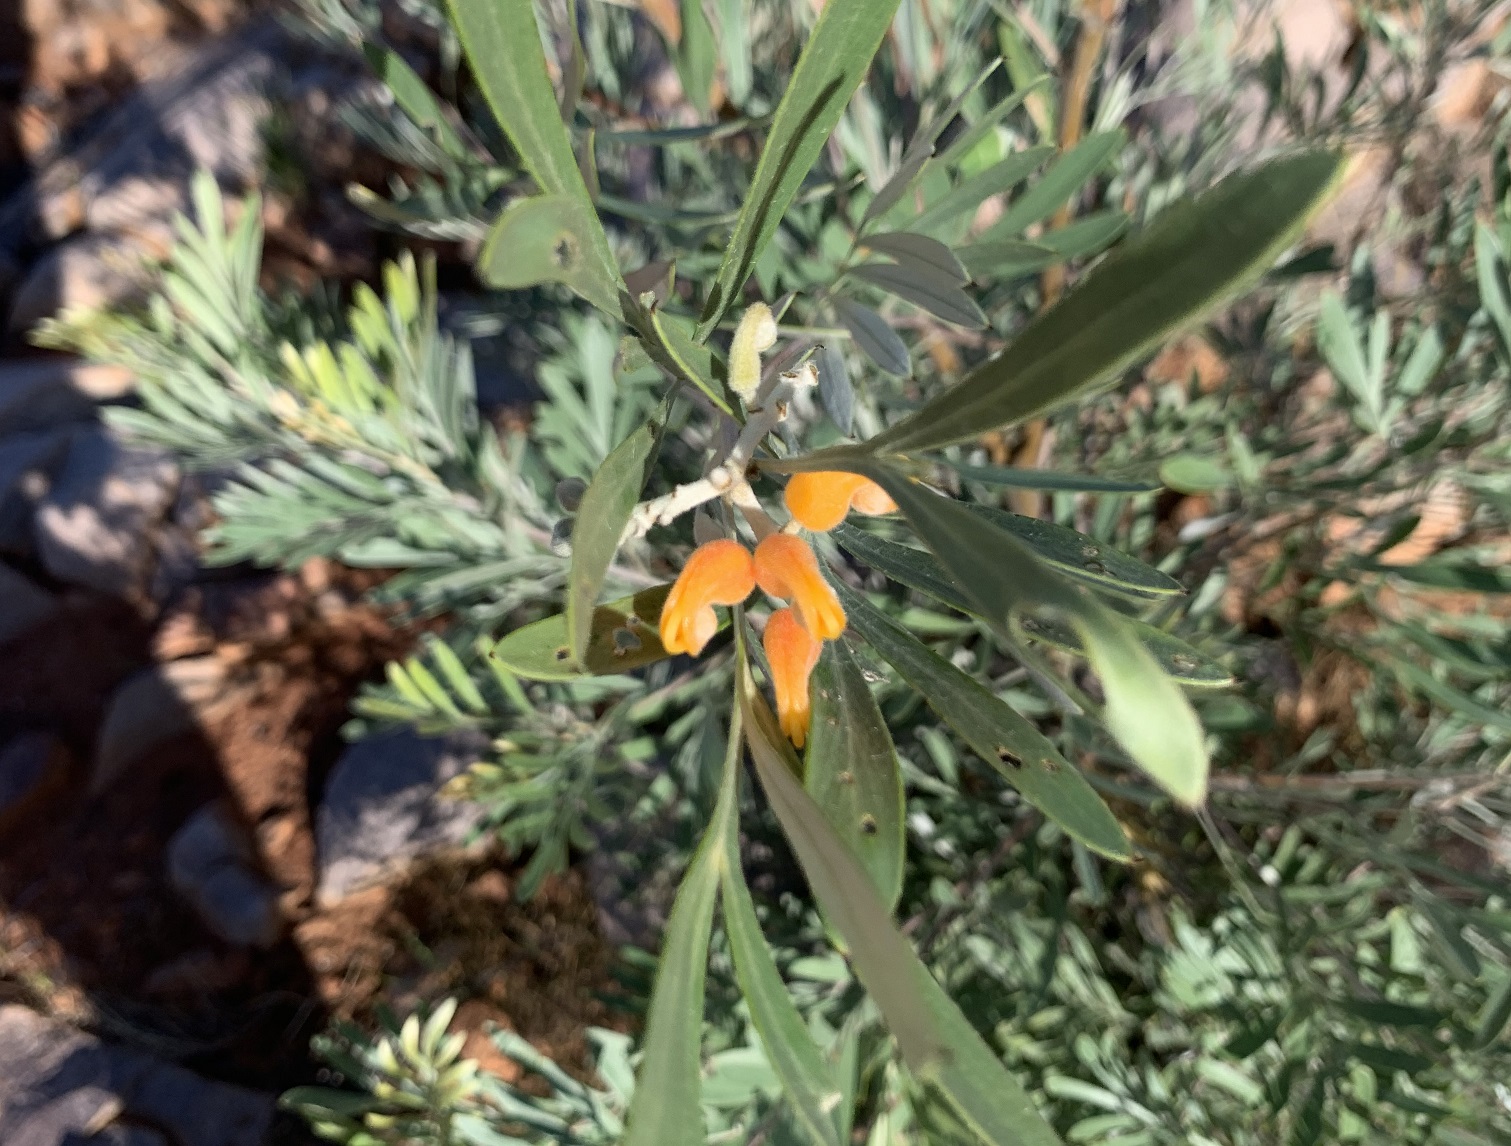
[(972, 192), (1065, 177), (1179, 660), (1086, 235), (548, 238), (937, 1042), (933, 291), (541, 651), (877, 341), (962, 144), (920, 149), (852, 771), (1006, 259), (832, 65), (1082, 557), (1015, 478), (998, 734), (1145, 711), (667, 1110), (605, 509), (502, 42), (910, 249), (1197, 254), (807, 1081)]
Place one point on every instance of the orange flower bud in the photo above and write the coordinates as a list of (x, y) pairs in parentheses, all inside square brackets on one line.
[(785, 567), (820, 500), (791, 652), (718, 573)]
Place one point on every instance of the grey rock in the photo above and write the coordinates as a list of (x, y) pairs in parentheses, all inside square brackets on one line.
[(87, 272), (41, 393), (382, 809), (59, 1087), (28, 463), (95, 526), (211, 865), (30, 765), (153, 706), (22, 604)]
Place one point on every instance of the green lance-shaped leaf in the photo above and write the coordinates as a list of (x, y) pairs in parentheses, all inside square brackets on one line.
[(668, 339), (970, 194), (877, 341), (1064, 178), (666, 1109), (1015, 478), (412, 94), (502, 42), (622, 637), (832, 65), (919, 570), (912, 250), (807, 1080), (1081, 557), (1146, 711), (937, 1042), (606, 507), (548, 239), (999, 735), (852, 770), (1197, 254), (935, 291)]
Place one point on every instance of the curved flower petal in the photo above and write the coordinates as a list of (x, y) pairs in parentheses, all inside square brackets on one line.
[(785, 567), (719, 572), (791, 651), (820, 500)]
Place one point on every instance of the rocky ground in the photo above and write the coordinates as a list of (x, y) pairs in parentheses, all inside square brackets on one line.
[(196, 872)]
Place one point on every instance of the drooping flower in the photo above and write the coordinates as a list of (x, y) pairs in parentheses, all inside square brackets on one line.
[(785, 567), (719, 572), (819, 500), (791, 651)]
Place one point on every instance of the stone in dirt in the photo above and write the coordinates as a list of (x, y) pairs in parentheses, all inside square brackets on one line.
[(41, 393), (382, 809), (95, 527), (155, 705), (28, 463), (210, 863), (59, 1087)]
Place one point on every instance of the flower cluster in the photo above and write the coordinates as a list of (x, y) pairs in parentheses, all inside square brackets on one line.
[(724, 572)]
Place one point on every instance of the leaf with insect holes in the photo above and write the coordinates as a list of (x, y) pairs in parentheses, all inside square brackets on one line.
[(831, 66), (1145, 710), (622, 637), (502, 41), (1004, 739), (937, 1042), (877, 340), (604, 511), (548, 239), (1193, 257), (852, 770)]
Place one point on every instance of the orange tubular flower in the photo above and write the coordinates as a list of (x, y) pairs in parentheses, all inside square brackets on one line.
[(785, 567), (820, 500), (792, 652), (718, 573)]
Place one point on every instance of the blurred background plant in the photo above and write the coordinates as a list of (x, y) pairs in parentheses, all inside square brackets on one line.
[(1324, 953)]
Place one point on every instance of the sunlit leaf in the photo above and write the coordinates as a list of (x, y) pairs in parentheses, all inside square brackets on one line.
[(622, 637), (1195, 255), (972, 192), (852, 770), (1003, 738), (601, 517), (548, 238), (1066, 175), (832, 65)]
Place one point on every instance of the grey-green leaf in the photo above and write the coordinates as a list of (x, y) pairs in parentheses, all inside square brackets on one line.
[(502, 42), (936, 1040), (1007, 259), (666, 1110), (877, 341), (994, 730), (1193, 257), (852, 772), (1016, 478), (807, 1080), (832, 65), (971, 193), (1064, 178), (605, 510), (910, 249), (1083, 558), (1145, 711), (549, 238), (934, 291)]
